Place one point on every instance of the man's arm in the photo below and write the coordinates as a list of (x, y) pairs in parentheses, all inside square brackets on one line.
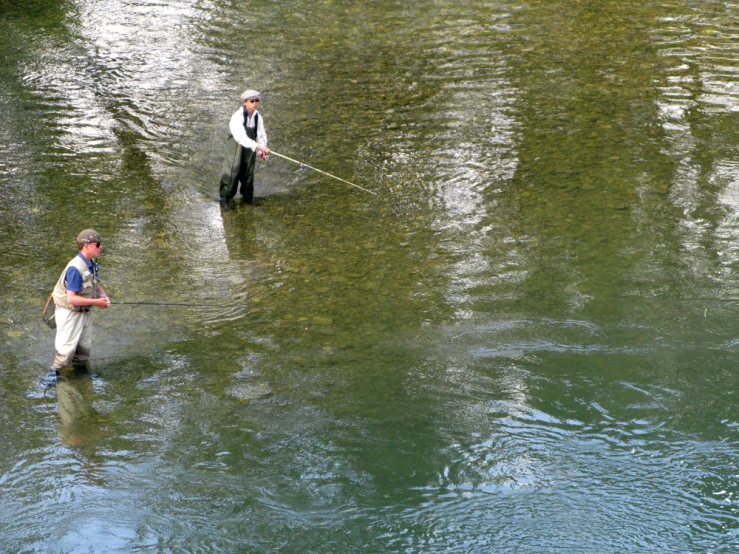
[(236, 126)]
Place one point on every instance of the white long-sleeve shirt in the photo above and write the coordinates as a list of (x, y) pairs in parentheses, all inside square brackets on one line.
[(236, 126)]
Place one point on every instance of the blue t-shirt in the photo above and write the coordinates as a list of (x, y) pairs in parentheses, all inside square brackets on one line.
[(74, 278)]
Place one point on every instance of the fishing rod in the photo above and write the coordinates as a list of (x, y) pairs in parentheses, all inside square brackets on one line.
[(50, 320), (319, 171), (161, 304)]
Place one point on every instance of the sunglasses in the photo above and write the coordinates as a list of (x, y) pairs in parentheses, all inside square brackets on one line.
[(98, 244), (254, 100)]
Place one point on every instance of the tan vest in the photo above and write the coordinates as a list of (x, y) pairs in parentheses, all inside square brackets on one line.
[(89, 285)]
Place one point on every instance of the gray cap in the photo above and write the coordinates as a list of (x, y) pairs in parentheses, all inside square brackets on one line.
[(248, 95), (89, 235)]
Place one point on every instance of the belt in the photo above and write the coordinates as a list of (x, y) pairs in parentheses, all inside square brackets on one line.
[(81, 308)]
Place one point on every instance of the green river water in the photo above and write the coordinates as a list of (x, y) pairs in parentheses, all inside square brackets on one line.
[(527, 342)]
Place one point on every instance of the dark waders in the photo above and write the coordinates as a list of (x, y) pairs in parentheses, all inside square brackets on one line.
[(238, 167)]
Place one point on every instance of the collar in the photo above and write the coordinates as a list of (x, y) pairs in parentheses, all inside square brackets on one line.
[(90, 263)]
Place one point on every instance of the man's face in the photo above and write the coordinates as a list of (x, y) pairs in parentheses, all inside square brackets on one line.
[(251, 105), (92, 250)]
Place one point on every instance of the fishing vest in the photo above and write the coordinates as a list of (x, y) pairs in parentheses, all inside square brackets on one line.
[(89, 285)]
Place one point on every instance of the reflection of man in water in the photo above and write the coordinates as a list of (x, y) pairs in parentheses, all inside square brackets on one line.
[(74, 399), (248, 138), (76, 292), (241, 238), (80, 425)]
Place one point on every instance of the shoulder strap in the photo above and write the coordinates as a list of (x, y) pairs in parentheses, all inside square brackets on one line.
[(256, 119)]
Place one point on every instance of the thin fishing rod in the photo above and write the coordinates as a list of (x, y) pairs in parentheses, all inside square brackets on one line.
[(161, 304), (319, 171)]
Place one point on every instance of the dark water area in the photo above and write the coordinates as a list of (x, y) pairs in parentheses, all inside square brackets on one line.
[(525, 343)]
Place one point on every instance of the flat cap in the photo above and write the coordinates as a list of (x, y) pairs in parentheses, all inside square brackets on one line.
[(89, 235), (248, 95)]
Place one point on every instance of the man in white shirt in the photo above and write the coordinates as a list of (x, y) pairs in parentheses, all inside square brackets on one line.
[(247, 138)]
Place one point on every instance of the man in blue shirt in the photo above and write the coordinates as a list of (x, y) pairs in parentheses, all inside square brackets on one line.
[(76, 292)]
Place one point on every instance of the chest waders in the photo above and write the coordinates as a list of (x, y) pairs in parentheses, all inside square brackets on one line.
[(238, 166), (73, 338)]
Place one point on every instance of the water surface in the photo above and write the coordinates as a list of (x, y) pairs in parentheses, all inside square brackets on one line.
[(525, 343)]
